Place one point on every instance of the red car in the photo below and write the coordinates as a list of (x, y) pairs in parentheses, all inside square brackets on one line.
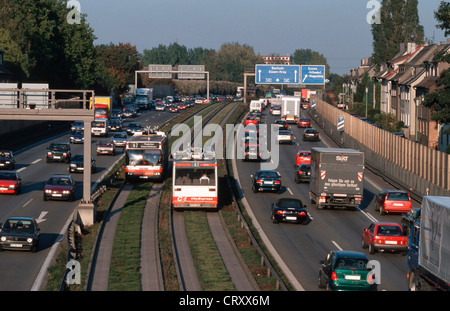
[(59, 187), (392, 201), (10, 182), (303, 156), (384, 236), (304, 122), (251, 120)]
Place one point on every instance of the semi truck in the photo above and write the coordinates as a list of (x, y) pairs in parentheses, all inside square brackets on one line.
[(102, 106), (428, 254), (143, 98), (336, 178), (290, 109)]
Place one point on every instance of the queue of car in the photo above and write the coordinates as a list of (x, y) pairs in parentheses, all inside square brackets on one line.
[(341, 270)]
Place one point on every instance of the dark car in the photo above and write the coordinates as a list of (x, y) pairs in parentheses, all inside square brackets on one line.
[(173, 108), (77, 137), (20, 233), (10, 182), (115, 125), (106, 147), (303, 173), (282, 125), (129, 112), (134, 127), (7, 161), (252, 152), (266, 180), (59, 152), (289, 210), (311, 134), (59, 187), (346, 271), (77, 164), (392, 201)]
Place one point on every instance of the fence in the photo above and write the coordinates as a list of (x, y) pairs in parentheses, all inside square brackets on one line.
[(420, 169)]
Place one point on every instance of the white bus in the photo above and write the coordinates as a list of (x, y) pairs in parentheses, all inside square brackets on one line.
[(195, 180)]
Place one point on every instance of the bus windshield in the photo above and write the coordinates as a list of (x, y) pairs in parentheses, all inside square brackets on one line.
[(144, 157), (195, 176)]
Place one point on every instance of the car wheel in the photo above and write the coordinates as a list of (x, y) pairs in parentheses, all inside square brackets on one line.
[(254, 189), (274, 220), (371, 249), (382, 212), (320, 283), (363, 243), (45, 198)]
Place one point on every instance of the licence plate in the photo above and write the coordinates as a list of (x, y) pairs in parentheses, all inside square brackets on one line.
[(398, 204), (291, 218), (268, 183), (353, 277), (57, 194), (15, 245), (390, 242), (3, 188), (57, 157)]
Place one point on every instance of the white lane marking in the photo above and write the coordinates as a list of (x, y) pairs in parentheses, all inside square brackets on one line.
[(28, 202), (36, 161), (20, 169), (337, 245), (289, 191)]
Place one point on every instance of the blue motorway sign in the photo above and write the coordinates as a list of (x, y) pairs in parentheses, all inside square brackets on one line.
[(277, 74), (340, 125), (313, 74)]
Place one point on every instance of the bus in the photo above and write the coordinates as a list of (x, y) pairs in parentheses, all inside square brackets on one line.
[(147, 156), (195, 180)]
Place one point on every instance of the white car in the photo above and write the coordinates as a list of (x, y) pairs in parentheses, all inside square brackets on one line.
[(284, 137)]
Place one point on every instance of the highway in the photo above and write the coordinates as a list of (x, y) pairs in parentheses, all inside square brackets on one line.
[(19, 270), (301, 247)]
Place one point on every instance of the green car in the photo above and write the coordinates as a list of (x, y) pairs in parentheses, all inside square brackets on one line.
[(346, 271)]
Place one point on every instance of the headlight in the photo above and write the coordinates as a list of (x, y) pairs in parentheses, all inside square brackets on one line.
[(30, 240), (48, 191), (3, 238), (66, 191), (12, 186), (73, 165)]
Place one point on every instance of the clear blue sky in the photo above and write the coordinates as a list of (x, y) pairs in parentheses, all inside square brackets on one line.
[(336, 28)]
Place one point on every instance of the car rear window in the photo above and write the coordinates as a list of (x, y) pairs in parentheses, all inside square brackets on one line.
[(389, 230), (351, 263), (398, 196)]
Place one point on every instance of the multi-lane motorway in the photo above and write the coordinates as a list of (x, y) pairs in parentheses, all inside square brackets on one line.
[(21, 270), (301, 247)]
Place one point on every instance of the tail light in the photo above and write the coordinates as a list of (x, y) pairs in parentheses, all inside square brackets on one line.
[(258, 181), (302, 213), (277, 182), (333, 276), (300, 172)]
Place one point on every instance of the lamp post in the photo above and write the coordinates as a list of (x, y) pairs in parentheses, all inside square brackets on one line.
[(367, 93)]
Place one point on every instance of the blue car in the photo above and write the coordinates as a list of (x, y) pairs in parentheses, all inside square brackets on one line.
[(266, 180)]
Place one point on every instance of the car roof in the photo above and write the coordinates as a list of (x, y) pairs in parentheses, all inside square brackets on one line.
[(384, 223), (21, 218), (61, 175)]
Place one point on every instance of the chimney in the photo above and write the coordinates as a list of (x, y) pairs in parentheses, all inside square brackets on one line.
[(402, 47)]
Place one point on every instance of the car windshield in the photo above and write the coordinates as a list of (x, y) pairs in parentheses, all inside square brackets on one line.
[(286, 204), (310, 131), (5, 155), (389, 230), (398, 196), (304, 154), (78, 157), (60, 147), (351, 264), (77, 132), (134, 125), (18, 225), (305, 168), (120, 135), (7, 176), (284, 132), (267, 174), (59, 181)]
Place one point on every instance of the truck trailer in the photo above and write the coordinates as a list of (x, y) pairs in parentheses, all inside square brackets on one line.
[(336, 177), (428, 254), (290, 109)]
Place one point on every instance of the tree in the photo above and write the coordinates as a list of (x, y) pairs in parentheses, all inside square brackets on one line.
[(439, 100), (116, 65), (399, 23), (310, 57)]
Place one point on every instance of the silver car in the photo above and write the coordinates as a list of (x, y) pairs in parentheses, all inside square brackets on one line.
[(120, 139)]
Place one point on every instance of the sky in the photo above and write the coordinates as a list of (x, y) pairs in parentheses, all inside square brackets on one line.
[(338, 29)]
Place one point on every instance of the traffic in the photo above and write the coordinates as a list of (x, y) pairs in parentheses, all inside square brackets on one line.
[(325, 188)]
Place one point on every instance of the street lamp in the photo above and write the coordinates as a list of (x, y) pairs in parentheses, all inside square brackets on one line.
[(367, 93)]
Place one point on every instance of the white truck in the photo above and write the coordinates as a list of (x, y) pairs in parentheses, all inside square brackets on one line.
[(255, 105), (143, 98), (290, 109), (429, 246)]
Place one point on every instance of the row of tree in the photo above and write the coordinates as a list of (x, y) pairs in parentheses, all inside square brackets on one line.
[(42, 46)]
